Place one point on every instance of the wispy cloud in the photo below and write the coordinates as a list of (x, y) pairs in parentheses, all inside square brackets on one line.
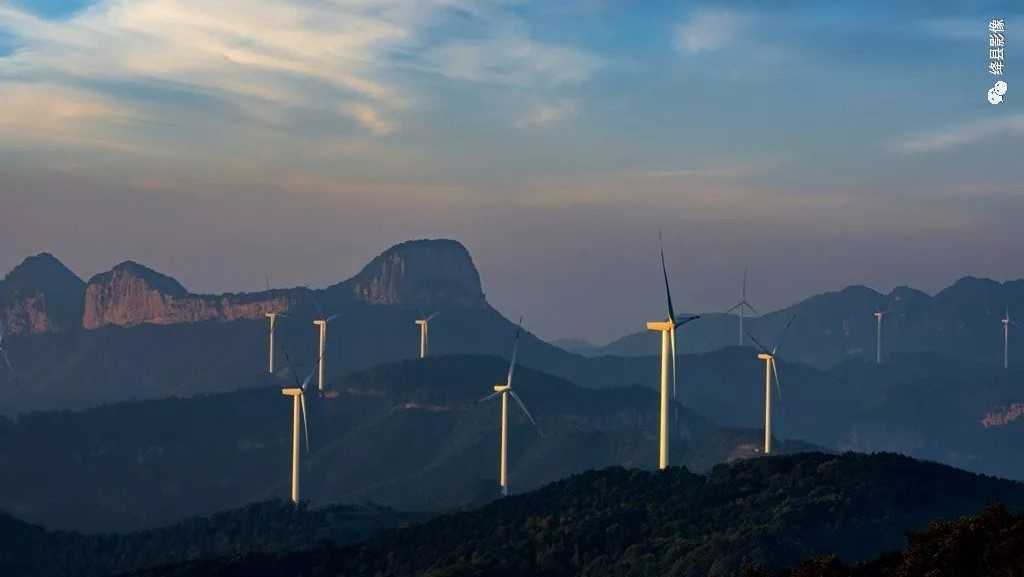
[(549, 113), (958, 136), (709, 30), (515, 60)]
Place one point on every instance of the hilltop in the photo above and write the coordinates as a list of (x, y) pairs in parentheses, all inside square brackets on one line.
[(769, 512)]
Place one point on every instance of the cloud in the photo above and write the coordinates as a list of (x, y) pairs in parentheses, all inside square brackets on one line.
[(276, 64), (962, 135), (34, 113), (708, 30), (549, 113), (514, 60), (370, 118)]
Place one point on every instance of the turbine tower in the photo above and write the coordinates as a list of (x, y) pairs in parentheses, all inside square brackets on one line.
[(743, 306), (273, 324), (1006, 339), (667, 329), (505, 391), (768, 356), (425, 334), (878, 335), (298, 395), (322, 324)]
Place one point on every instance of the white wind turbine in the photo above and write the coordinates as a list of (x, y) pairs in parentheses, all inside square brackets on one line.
[(879, 315), (768, 356), (273, 324), (322, 324), (667, 328), (425, 333), (1006, 339), (505, 391), (743, 306), (298, 395)]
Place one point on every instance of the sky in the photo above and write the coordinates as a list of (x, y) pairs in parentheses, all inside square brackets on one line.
[(222, 142)]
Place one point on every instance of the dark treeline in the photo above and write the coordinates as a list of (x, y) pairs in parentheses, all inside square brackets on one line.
[(772, 513), (31, 551)]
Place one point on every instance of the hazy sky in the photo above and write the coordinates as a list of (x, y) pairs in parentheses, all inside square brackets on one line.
[(220, 141)]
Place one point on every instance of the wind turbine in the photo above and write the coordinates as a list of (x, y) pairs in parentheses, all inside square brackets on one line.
[(1006, 339), (322, 324), (878, 334), (425, 333), (742, 306), (667, 329), (273, 324), (768, 356), (298, 395), (505, 391)]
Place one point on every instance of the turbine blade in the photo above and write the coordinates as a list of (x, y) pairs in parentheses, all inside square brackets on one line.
[(778, 383), (751, 307), (734, 307), (319, 309), (515, 351), (664, 273), (332, 317), (7, 361), (489, 397), (686, 320), (305, 419), (744, 294), (309, 377), (763, 348), (433, 316), (523, 407), (672, 337), (782, 336), (291, 368)]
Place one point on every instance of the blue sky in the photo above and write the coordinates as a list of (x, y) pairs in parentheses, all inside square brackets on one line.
[(820, 145)]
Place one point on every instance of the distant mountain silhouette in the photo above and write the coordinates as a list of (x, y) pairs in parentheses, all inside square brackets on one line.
[(40, 295), (409, 435), (768, 512), (147, 336), (960, 321)]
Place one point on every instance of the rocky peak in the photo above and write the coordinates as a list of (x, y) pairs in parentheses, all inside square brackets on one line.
[(425, 274), (132, 271), (40, 295), (133, 294)]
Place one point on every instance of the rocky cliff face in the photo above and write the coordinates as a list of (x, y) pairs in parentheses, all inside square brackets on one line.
[(131, 294), (40, 295), (424, 274)]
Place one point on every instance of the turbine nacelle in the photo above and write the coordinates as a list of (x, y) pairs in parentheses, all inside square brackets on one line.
[(765, 356), (660, 326), (502, 388), (292, 392)]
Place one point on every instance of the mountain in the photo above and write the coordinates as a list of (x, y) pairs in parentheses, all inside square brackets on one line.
[(988, 543), (769, 512), (32, 551), (578, 346), (408, 435), (40, 295), (144, 335), (962, 321), (132, 294)]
